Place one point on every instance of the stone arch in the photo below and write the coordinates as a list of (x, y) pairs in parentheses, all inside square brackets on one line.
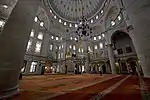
[(124, 38), (42, 14), (111, 14)]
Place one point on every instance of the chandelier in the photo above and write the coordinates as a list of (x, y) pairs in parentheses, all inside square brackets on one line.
[(83, 29)]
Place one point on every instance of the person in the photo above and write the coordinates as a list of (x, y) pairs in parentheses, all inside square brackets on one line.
[(100, 71), (66, 69)]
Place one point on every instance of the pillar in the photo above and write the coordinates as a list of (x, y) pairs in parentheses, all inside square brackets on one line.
[(13, 42), (139, 12), (108, 70), (46, 45), (127, 66), (27, 68), (85, 46), (112, 59)]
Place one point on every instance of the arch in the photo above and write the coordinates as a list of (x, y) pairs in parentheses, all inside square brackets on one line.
[(110, 15), (116, 33), (42, 14)]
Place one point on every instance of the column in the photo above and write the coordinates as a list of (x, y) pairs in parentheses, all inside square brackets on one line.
[(27, 68), (139, 12), (39, 68), (127, 66), (13, 42), (108, 70), (112, 59), (87, 68), (45, 46)]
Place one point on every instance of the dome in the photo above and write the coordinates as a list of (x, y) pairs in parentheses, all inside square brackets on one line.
[(71, 10)]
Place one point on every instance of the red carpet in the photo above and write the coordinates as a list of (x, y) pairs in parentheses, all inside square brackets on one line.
[(128, 90), (89, 92), (147, 83)]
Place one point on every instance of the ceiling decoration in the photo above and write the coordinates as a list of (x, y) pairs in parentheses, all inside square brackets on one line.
[(68, 12), (71, 10)]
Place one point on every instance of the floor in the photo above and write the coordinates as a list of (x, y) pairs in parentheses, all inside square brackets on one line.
[(81, 87)]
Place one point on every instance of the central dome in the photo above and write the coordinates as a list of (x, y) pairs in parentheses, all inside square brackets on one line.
[(71, 10)]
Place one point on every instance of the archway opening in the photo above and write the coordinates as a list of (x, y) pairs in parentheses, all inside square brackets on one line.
[(124, 49)]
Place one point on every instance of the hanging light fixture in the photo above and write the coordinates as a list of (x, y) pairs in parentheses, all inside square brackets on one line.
[(83, 28)]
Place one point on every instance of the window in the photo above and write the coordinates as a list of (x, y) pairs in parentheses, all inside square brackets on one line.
[(55, 17), (99, 37), (103, 35), (52, 37), (75, 39), (35, 19), (94, 38), (62, 55), (97, 17), (23, 69), (76, 25), (57, 38), (79, 50), (59, 47), (95, 47), (91, 20), (120, 51), (59, 56), (83, 68), (128, 49), (41, 24), (29, 45), (50, 11), (51, 47), (102, 11), (119, 17), (89, 49), (5, 6), (113, 23), (33, 67), (82, 50), (70, 25), (40, 36), (101, 45), (32, 33), (70, 46), (2, 23), (65, 23), (74, 47), (59, 20), (38, 46)]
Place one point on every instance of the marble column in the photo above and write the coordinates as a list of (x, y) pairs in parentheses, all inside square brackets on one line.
[(13, 42), (87, 68), (46, 45), (27, 68), (112, 59), (139, 12), (127, 66)]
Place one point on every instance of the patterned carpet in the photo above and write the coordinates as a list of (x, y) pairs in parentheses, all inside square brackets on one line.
[(81, 87), (42, 87), (89, 92), (128, 90)]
